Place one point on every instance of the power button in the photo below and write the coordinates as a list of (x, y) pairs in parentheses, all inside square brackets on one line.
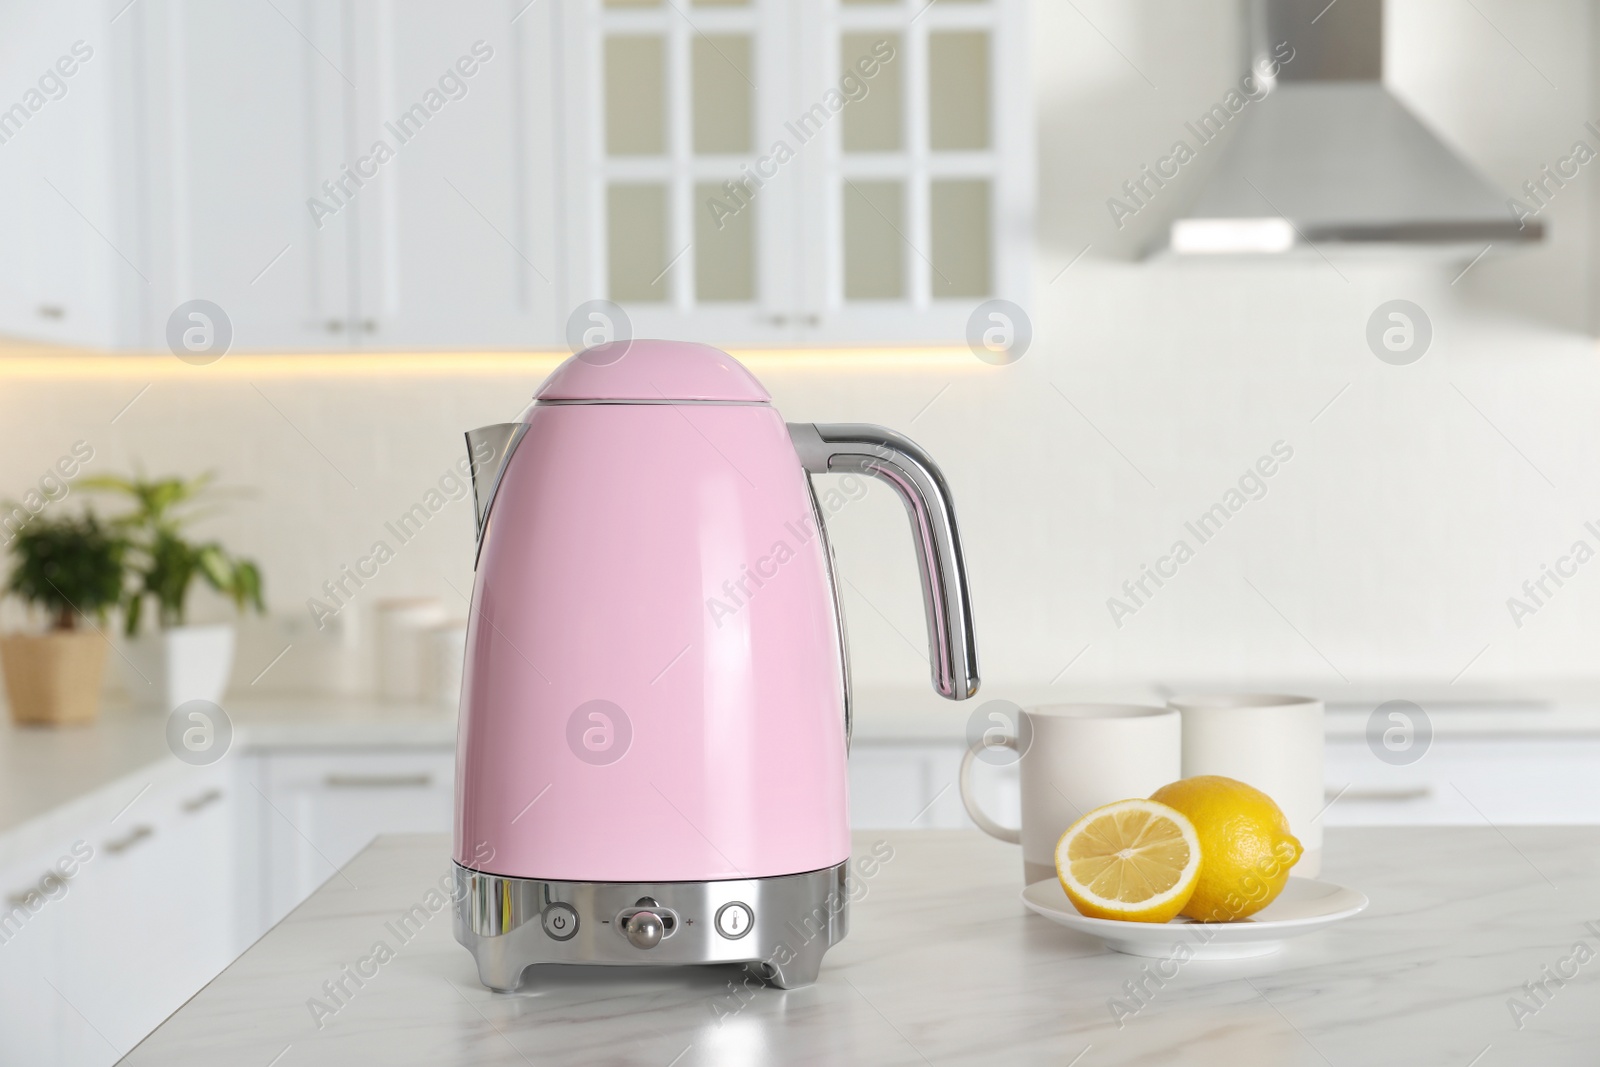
[(734, 920), (560, 921)]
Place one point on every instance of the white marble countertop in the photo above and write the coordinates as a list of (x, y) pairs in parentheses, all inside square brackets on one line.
[(52, 778), (43, 767), (943, 966)]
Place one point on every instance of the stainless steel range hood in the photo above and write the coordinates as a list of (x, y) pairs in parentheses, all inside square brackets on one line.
[(1328, 157)]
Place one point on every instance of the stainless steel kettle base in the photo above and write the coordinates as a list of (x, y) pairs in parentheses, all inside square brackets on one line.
[(779, 926)]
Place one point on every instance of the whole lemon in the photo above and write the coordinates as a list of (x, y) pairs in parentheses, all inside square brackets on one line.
[(1246, 849)]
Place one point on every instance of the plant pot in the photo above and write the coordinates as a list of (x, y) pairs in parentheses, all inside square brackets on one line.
[(53, 679), (183, 663)]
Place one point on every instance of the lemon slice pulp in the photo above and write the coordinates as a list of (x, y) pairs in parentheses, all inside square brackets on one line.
[(1136, 860)]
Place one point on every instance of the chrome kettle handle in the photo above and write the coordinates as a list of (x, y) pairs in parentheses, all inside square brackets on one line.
[(845, 448)]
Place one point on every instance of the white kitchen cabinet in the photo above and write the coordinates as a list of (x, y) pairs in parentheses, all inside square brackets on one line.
[(36, 1024), (332, 177), (156, 902), (228, 153), (193, 871), (1459, 781), (454, 240), (175, 167), (1467, 781), (241, 111), (732, 173), (62, 276), (314, 810), (144, 922), (912, 785)]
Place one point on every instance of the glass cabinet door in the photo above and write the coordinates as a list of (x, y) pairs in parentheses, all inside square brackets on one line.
[(749, 171), (675, 221), (926, 219)]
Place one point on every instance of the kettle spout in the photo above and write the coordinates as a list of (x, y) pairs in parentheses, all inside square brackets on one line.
[(489, 449)]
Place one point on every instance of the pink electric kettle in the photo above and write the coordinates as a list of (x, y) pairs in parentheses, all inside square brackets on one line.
[(655, 712)]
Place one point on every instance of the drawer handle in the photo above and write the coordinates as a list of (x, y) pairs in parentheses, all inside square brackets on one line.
[(1415, 792), (378, 781), (206, 799), (20, 898), (134, 836)]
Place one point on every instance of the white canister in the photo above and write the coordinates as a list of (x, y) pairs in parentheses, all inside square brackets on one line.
[(400, 629), (444, 650), (1267, 740)]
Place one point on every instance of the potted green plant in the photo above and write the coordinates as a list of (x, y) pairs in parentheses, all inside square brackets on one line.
[(177, 662), (67, 567)]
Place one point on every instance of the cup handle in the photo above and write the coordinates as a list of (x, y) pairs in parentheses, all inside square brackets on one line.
[(986, 824)]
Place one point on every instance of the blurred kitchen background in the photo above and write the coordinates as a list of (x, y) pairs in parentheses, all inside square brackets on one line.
[(544, 155), (179, 162)]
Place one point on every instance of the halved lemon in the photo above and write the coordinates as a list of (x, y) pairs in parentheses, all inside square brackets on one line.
[(1136, 860)]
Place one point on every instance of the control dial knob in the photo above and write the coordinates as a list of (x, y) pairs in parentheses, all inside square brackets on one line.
[(644, 929)]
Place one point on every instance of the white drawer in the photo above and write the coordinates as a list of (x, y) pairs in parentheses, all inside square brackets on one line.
[(1467, 781)]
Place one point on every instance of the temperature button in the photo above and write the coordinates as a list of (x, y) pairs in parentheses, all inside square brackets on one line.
[(734, 920), (560, 921)]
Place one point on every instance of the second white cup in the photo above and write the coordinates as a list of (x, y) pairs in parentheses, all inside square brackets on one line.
[(1269, 741)]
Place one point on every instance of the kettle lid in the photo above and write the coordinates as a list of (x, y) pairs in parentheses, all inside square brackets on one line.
[(645, 370)]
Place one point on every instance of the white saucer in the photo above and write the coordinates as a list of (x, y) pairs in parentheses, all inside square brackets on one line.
[(1304, 905)]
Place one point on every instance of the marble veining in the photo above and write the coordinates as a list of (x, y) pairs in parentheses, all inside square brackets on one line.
[(943, 965)]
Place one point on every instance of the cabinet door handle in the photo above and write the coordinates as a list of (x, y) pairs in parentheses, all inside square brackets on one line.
[(1414, 792), (378, 781), (206, 799), (133, 837), (20, 898)]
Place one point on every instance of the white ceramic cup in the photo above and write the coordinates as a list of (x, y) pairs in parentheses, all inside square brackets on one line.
[(1078, 757), (1267, 740)]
